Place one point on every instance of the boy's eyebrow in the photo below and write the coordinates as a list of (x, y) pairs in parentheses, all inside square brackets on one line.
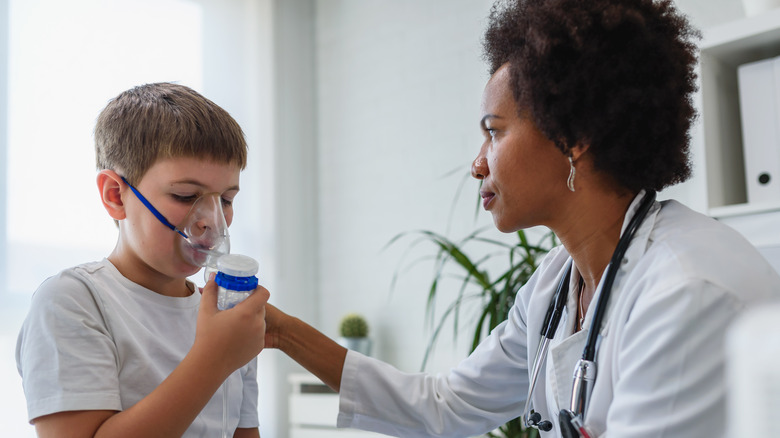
[(200, 184)]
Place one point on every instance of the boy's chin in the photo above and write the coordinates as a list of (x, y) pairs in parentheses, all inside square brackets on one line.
[(186, 270)]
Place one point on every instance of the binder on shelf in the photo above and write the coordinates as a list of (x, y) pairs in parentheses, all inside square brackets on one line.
[(759, 99)]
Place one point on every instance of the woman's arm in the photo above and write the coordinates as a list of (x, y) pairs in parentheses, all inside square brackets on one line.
[(477, 396), (247, 433), (316, 352)]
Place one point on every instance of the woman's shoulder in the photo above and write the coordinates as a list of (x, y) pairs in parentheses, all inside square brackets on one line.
[(688, 247), (684, 233), (677, 218)]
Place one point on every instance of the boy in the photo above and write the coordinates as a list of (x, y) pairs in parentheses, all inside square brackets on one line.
[(127, 346)]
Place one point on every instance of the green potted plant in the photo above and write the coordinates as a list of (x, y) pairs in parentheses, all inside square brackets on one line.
[(353, 332), (512, 263)]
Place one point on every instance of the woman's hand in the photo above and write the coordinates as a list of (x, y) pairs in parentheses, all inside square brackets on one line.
[(306, 345)]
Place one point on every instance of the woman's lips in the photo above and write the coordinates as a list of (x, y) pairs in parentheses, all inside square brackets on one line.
[(486, 198)]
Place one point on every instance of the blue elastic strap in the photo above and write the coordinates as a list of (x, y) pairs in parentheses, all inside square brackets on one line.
[(154, 211)]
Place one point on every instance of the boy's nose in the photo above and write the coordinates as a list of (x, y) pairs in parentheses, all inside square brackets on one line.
[(204, 225)]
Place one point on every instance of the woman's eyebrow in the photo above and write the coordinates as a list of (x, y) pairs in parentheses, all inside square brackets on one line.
[(485, 118)]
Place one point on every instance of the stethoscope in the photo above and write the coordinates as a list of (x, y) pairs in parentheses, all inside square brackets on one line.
[(572, 420)]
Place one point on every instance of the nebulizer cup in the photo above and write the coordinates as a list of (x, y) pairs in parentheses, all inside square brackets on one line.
[(204, 234), (235, 280)]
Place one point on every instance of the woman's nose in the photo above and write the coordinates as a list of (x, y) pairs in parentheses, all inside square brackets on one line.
[(479, 168)]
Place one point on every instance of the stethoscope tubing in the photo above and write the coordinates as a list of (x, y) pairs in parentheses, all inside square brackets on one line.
[(549, 326), (589, 352), (557, 305)]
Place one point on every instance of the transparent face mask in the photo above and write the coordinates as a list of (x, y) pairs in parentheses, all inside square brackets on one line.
[(203, 233)]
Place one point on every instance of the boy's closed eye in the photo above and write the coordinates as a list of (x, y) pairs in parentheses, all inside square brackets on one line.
[(185, 199), (190, 199)]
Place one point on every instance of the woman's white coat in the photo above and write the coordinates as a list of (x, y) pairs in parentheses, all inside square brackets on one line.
[(660, 360)]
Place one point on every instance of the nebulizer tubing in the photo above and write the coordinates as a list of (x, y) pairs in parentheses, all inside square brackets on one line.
[(204, 239), (225, 393)]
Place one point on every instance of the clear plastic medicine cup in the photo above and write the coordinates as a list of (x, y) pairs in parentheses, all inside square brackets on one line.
[(235, 280)]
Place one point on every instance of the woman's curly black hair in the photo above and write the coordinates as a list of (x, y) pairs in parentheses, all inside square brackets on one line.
[(615, 74)]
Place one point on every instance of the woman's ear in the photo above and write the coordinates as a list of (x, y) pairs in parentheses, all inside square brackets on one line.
[(578, 150), (110, 186)]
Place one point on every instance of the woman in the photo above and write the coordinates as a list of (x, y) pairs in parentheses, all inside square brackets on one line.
[(585, 116)]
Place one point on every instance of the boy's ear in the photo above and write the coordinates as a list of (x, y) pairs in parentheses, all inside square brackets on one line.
[(110, 186)]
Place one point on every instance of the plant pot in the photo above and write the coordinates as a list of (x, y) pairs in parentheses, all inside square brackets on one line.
[(361, 345)]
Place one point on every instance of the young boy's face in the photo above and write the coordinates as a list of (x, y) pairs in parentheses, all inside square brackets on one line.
[(147, 248)]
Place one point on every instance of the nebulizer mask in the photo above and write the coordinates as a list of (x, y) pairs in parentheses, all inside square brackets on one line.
[(203, 231), (205, 242)]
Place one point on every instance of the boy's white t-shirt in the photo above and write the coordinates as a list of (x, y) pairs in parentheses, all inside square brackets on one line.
[(94, 340)]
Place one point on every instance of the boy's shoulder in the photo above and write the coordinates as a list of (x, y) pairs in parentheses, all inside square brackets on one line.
[(78, 282)]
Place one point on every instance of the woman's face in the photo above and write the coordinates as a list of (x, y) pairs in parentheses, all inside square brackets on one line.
[(523, 173)]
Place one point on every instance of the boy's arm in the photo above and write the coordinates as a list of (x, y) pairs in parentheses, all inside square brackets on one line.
[(224, 341), (319, 354)]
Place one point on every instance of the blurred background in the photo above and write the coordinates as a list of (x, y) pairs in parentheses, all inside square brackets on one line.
[(362, 118)]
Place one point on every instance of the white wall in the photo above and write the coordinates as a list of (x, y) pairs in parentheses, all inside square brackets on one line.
[(288, 179), (373, 104), (399, 85)]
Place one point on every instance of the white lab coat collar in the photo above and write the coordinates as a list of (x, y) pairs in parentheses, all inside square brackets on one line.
[(567, 347), (635, 251), (633, 254)]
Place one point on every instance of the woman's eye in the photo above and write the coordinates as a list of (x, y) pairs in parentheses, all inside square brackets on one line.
[(227, 202)]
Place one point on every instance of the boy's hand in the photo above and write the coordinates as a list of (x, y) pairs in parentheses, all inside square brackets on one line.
[(231, 338)]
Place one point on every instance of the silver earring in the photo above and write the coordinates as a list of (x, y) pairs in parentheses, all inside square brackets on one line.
[(572, 172)]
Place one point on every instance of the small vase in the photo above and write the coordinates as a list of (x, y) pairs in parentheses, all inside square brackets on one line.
[(361, 345)]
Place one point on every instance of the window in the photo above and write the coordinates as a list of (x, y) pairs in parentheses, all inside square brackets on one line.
[(65, 60)]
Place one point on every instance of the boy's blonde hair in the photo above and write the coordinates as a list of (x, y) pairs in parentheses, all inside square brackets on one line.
[(164, 120)]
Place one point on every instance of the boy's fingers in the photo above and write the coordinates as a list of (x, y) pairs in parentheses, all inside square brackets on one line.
[(259, 296), (209, 296), (211, 278)]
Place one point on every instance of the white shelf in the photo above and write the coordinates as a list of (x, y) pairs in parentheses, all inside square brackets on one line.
[(742, 40), (314, 408), (719, 133), (743, 209)]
